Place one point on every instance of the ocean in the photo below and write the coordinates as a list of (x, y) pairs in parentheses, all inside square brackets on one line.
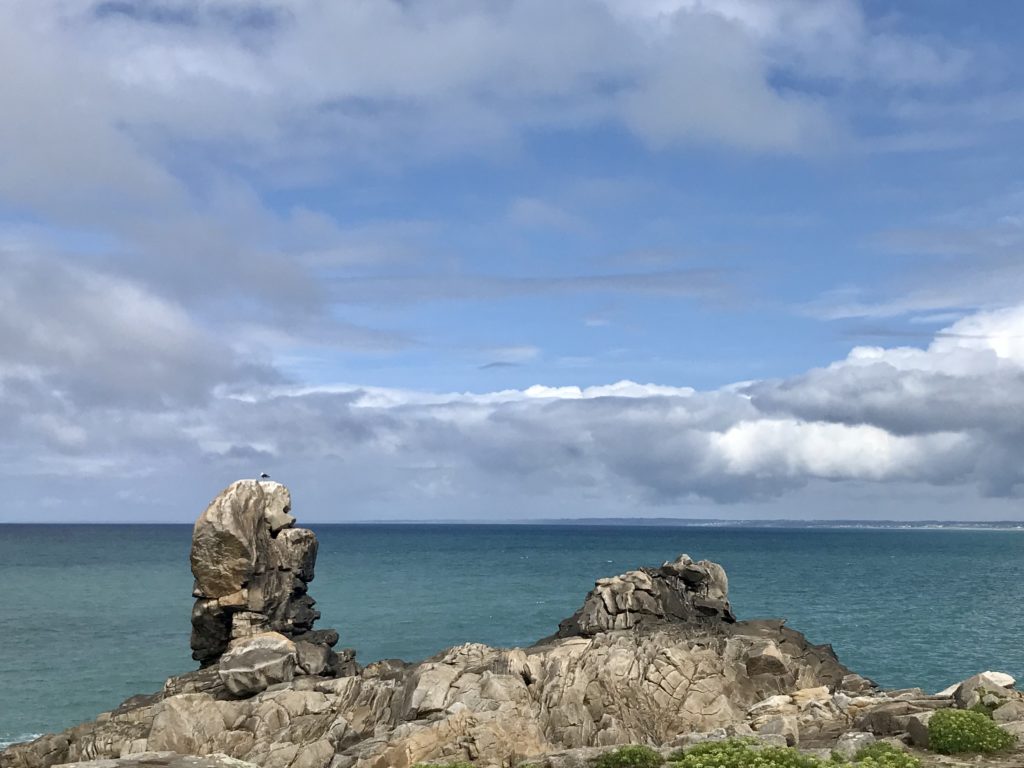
[(90, 615)]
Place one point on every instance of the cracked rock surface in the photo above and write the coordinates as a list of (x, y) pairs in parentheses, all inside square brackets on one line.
[(252, 569)]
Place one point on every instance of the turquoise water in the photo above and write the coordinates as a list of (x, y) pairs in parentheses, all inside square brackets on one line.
[(90, 615)]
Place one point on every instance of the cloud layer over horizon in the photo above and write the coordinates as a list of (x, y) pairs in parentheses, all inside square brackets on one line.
[(940, 416), (414, 257)]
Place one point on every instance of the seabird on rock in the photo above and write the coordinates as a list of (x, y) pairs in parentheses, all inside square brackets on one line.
[(264, 476)]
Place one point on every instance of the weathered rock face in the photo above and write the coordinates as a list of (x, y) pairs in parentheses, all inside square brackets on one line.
[(680, 591), (651, 656), (472, 701), (251, 569), (255, 663)]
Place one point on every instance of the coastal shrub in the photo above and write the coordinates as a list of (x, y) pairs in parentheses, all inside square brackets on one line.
[(883, 755), (632, 756), (984, 709), (725, 748), (747, 753), (951, 731), (741, 753)]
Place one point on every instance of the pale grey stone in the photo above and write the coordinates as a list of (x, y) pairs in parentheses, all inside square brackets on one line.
[(849, 744), (255, 663)]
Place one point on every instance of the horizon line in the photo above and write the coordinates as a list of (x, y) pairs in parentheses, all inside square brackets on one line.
[(598, 521)]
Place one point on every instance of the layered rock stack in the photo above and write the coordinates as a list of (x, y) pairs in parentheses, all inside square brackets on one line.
[(252, 569), (678, 591)]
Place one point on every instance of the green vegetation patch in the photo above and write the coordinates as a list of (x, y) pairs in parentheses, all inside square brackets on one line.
[(985, 709), (746, 753), (952, 731), (742, 753), (633, 756), (884, 755)]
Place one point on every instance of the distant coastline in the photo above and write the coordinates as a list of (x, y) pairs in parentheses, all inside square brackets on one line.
[(646, 522)]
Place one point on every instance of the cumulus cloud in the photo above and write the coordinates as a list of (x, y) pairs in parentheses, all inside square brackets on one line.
[(147, 337), (941, 416), (293, 83), (94, 338), (157, 131)]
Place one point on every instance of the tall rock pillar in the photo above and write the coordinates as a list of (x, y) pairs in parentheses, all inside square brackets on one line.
[(252, 567)]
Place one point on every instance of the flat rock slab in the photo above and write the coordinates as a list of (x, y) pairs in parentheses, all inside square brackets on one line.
[(164, 760)]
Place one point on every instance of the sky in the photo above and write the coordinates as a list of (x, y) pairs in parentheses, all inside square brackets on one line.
[(512, 259)]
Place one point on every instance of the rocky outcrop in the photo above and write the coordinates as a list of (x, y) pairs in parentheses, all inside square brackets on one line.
[(682, 591), (653, 656), (252, 569), (165, 760), (473, 702)]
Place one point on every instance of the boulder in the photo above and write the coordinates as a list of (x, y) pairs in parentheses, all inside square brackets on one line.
[(806, 696), (765, 659), (917, 727), (227, 539), (252, 568), (773, 705), (852, 742), (974, 689), (999, 678), (786, 726), (314, 659), (186, 724), (168, 759), (1009, 712), (681, 590), (886, 718), (255, 663), (857, 684)]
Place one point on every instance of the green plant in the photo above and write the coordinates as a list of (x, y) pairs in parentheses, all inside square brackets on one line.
[(883, 755), (742, 753), (984, 709), (747, 753), (960, 730), (632, 756)]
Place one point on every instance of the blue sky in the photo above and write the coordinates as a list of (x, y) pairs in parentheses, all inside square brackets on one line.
[(402, 253)]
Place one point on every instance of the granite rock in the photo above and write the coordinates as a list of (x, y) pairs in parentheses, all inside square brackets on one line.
[(653, 656), (681, 590), (255, 663), (252, 569), (655, 681)]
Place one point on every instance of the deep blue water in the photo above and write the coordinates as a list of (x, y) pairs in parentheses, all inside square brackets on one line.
[(90, 615)]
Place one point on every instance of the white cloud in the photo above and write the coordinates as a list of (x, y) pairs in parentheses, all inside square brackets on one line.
[(312, 84), (906, 417), (141, 136), (85, 336)]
